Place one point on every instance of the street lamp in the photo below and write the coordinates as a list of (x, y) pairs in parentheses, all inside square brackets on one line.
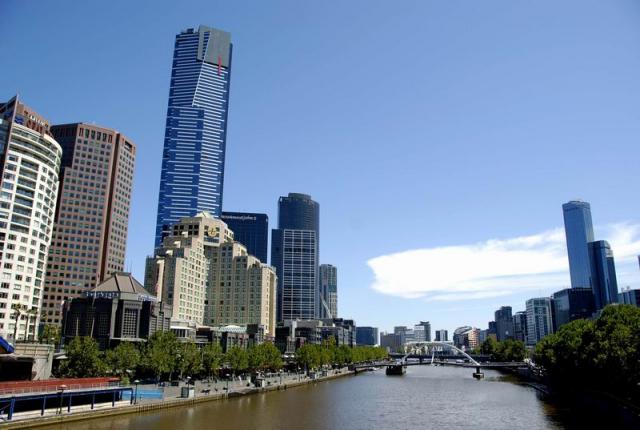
[(62, 388), (135, 399)]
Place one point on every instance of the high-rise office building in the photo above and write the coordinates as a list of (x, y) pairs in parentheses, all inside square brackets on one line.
[(442, 336), (295, 255), (466, 337), (520, 326), (504, 323), (422, 331), (629, 297), (539, 319), (192, 175), (367, 336), (572, 304), (30, 162), (603, 277), (251, 230), (579, 232), (92, 216), (328, 294), (391, 342)]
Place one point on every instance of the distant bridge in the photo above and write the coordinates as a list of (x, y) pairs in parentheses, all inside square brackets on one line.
[(420, 350)]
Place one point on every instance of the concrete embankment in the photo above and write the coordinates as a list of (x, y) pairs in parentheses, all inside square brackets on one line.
[(161, 404)]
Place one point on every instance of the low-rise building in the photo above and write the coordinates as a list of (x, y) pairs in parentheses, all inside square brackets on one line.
[(118, 309), (367, 336)]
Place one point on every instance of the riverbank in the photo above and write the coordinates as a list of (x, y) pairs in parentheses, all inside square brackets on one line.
[(82, 415)]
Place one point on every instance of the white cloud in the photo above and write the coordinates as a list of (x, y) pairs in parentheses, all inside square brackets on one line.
[(497, 267)]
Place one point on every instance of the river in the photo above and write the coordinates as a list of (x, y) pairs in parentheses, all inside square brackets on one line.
[(425, 398)]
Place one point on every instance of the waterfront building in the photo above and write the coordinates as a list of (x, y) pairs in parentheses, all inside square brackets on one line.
[(629, 297), (295, 255), (520, 326), (422, 332), (572, 304), (211, 279), (406, 334), (92, 216), (603, 274), (442, 336), (539, 319), (328, 291), (251, 230), (31, 160), (466, 337), (504, 323), (118, 309), (193, 157), (367, 336), (391, 342), (240, 289), (579, 232)]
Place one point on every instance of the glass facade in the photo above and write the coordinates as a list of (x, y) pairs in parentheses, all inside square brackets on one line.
[(504, 323), (328, 292), (572, 304), (520, 326), (367, 336), (539, 319), (579, 232), (604, 282), (192, 174), (295, 254), (295, 257), (251, 230)]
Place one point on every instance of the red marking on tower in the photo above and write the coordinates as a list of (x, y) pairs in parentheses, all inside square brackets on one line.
[(219, 64)]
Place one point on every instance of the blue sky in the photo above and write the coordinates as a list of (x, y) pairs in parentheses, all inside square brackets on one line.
[(432, 127)]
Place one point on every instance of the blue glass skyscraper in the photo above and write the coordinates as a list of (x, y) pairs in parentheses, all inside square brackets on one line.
[(579, 232), (192, 175), (605, 283)]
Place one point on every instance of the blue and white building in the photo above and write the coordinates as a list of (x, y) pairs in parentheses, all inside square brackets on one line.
[(578, 228), (192, 176)]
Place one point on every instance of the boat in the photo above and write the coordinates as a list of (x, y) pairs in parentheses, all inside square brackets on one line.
[(396, 369)]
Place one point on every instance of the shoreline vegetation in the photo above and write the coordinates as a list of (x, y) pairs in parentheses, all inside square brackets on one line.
[(165, 358)]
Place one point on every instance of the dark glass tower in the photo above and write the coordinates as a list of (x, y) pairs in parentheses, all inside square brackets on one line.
[(579, 232), (196, 129), (251, 230), (295, 255), (605, 284), (504, 323)]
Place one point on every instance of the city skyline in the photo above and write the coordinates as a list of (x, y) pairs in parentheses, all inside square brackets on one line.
[(502, 209)]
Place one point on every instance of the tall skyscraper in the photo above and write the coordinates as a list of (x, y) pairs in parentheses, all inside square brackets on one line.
[(295, 255), (192, 175), (520, 326), (251, 230), (422, 331), (92, 217), (30, 161), (328, 294), (604, 281), (539, 319), (579, 232), (504, 323)]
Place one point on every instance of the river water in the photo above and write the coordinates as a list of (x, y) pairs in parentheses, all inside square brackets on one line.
[(425, 398)]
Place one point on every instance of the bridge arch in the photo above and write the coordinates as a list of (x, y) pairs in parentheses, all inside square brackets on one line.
[(436, 343)]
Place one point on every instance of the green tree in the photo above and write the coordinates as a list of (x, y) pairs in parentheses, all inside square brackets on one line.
[(489, 346), (212, 358), (188, 359), (161, 353), (50, 334), (123, 359), (265, 356), (238, 359), (83, 358), (308, 356)]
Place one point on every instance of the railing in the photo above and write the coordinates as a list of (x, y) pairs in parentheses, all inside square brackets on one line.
[(55, 385)]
